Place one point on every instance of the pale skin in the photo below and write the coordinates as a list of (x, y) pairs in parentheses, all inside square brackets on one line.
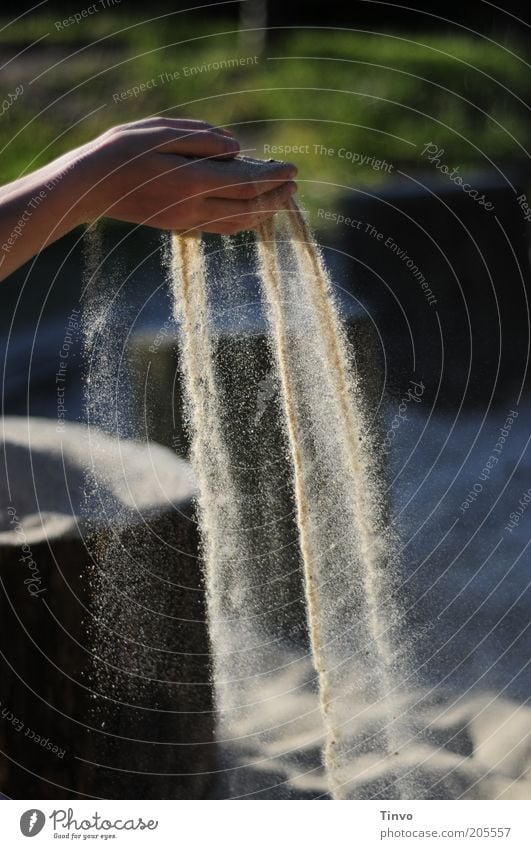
[(166, 173)]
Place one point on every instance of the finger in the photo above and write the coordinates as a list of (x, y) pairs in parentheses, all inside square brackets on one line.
[(247, 210), (231, 216), (239, 180), (192, 124), (190, 142), (230, 226), (157, 122), (186, 123)]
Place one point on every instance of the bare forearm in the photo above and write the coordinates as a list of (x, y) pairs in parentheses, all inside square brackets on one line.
[(168, 173), (37, 210)]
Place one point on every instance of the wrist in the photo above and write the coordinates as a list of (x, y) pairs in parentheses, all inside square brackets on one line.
[(84, 181)]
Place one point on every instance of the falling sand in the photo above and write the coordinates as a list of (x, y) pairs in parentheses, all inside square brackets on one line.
[(347, 550)]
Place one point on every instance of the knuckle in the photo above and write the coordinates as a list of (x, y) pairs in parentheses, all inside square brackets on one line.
[(118, 128), (195, 124)]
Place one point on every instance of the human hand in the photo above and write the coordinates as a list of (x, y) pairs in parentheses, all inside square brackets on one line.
[(179, 175)]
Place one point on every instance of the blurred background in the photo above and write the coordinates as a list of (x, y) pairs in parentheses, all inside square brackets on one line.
[(411, 131), (380, 79), (360, 101)]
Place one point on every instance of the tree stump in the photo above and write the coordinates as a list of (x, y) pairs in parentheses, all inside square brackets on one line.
[(105, 687)]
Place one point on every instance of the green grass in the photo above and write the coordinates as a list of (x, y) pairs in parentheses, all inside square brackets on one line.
[(376, 96)]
